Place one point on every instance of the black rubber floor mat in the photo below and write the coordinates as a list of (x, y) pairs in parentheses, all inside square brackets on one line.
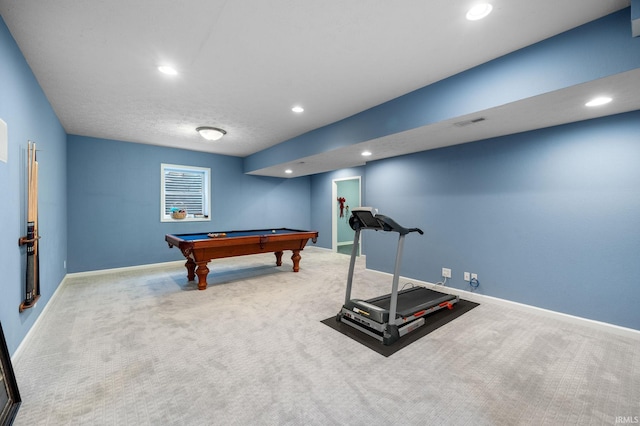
[(433, 322)]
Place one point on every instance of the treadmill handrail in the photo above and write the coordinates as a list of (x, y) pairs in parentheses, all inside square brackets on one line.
[(365, 218)]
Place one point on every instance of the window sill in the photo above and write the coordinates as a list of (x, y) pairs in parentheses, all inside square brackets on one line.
[(187, 219)]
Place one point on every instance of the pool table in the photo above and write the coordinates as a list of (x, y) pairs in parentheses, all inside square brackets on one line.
[(199, 249)]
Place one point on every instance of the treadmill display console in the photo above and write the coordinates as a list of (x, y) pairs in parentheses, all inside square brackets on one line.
[(366, 217)]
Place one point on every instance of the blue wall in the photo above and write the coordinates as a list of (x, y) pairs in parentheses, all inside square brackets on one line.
[(114, 202), (549, 218), (29, 116)]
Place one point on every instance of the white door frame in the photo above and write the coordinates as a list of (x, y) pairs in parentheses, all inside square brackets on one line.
[(334, 218)]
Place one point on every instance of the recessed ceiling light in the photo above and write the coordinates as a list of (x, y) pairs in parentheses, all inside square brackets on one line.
[(479, 11), (297, 109), (601, 100), (366, 153), (288, 171), (166, 69)]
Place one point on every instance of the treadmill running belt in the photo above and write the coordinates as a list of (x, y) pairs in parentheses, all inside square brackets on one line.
[(410, 298)]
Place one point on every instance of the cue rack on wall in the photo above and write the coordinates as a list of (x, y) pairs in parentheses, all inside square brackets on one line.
[(32, 284)]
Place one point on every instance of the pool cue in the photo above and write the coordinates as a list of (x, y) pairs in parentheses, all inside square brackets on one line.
[(32, 290), (36, 229)]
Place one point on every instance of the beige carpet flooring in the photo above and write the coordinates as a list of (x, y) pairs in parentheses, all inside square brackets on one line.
[(144, 347)]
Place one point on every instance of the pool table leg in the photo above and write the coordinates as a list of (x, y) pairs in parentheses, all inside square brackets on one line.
[(191, 269), (278, 258), (296, 260), (202, 272)]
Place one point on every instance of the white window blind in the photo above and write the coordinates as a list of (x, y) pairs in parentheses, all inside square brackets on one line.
[(185, 188)]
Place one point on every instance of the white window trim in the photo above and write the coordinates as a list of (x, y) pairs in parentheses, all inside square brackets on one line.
[(207, 191)]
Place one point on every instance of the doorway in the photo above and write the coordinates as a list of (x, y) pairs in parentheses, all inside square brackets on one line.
[(346, 194)]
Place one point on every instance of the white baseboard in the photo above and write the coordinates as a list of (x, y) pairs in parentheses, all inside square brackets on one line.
[(125, 268), (312, 248), (19, 349), (480, 298)]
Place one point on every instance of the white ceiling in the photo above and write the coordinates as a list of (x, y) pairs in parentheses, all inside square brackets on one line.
[(243, 64)]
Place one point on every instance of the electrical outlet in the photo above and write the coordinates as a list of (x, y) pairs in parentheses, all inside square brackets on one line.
[(446, 273), (474, 276), (467, 276)]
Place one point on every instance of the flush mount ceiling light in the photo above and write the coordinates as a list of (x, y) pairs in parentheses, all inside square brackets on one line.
[(297, 109), (166, 69), (366, 153), (288, 171), (211, 133), (601, 100), (479, 11)]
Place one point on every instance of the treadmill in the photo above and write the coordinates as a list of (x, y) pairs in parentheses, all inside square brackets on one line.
[(388, 317)]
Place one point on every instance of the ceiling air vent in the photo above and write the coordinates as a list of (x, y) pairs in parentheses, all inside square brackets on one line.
[(469, 122)]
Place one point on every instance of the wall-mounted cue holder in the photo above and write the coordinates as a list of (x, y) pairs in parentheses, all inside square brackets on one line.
[(31, 297), (32, 277), (25, 240)]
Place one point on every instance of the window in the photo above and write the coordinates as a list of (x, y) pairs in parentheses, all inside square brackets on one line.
[(185, 193)]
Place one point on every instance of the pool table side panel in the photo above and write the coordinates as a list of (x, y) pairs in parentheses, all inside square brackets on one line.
[(201, 254)]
